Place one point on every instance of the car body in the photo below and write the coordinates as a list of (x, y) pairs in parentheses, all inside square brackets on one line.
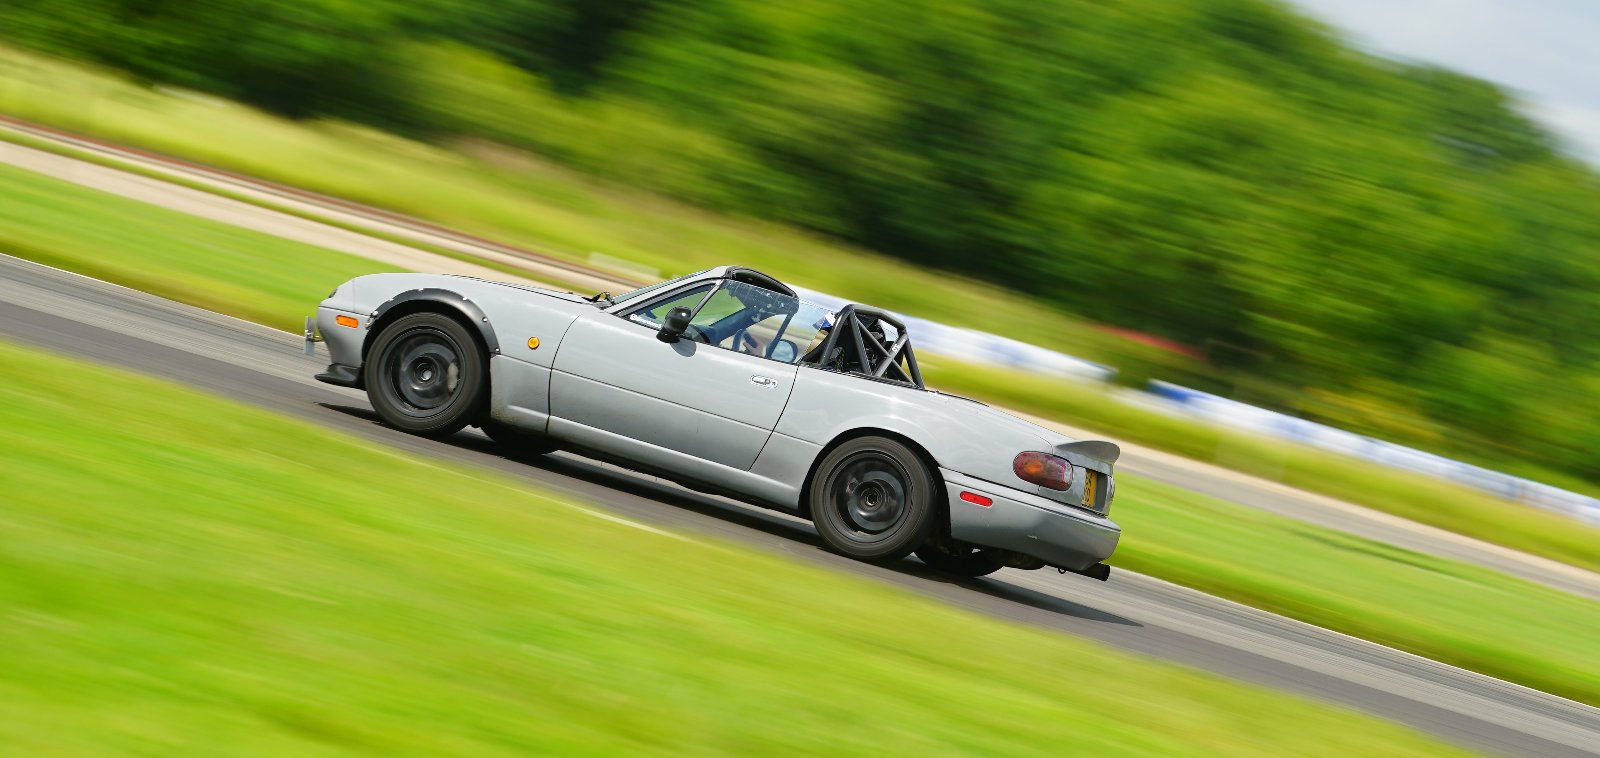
[(738, 401)]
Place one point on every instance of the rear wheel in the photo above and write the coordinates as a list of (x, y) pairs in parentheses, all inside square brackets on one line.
[(518, 443), (873, 498), (425, 375), (961, 561)]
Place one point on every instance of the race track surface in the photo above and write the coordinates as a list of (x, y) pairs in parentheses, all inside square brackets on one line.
[(1202, 477), (115, 326)]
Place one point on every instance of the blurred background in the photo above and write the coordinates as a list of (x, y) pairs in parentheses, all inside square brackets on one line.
[(1197, 228), (1227, 193)]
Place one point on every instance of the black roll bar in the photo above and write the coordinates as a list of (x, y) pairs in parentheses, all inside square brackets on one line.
[(852, 319)]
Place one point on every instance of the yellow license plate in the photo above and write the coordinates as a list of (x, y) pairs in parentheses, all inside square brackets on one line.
[(1091, 480)]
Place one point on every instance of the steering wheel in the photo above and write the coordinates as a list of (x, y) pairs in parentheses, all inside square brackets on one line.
[(738, 344)]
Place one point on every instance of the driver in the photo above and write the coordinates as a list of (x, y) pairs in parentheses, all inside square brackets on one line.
[(813, 351), (759, 306), (750, 344), (823, 326)]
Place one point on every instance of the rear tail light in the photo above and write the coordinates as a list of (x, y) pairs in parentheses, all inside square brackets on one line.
[(1046, 470)]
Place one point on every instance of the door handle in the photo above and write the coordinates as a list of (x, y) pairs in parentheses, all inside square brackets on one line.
[(762, 381)]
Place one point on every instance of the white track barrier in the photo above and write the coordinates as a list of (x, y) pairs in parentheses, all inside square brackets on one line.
[(990, 349), (983, 348), (1222, 411)]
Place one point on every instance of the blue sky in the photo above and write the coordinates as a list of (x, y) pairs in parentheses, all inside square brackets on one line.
[(1545, 51)]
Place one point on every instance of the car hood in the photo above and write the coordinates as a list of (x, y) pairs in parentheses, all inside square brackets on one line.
[(570, 297)]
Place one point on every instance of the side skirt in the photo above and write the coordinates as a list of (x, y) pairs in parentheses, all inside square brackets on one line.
[(691, 472)]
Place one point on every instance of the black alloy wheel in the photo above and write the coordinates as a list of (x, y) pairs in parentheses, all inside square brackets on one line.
[(425, 375), (874, 499)]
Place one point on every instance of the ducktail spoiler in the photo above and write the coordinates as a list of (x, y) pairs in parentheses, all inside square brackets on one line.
[(1094, 450)]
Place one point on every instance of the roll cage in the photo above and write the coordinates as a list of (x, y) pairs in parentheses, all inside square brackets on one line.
[(854, 347)]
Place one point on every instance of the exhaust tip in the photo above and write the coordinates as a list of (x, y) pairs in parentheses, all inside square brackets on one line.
[(1098, 571)]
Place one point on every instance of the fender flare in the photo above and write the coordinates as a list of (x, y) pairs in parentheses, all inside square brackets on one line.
[(452, 300)]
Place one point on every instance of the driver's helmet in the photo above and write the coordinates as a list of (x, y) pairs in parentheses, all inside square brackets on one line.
[(823, 326), (876, 329)]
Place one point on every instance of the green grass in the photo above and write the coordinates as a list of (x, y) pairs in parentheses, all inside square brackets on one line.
[(562, 213), (182, 574), (100, 159), (272, 280), (1472, 617), (214, 265), (1416, 497), (519, 199)]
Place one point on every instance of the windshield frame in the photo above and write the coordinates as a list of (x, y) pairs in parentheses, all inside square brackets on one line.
[(617, 300), (661, 294)]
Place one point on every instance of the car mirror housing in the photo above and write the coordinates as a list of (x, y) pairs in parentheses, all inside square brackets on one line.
[(675, 324)]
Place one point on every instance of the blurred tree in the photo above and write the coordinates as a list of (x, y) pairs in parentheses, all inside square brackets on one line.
[(301, 58), (1219, 172)]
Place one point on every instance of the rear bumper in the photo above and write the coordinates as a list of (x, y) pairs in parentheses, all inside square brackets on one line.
[(1060, 535)]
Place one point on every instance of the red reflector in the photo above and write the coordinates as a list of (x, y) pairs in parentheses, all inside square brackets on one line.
[(973, 497)]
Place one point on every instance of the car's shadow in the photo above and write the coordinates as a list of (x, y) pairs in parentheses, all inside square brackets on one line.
[(909, 573)]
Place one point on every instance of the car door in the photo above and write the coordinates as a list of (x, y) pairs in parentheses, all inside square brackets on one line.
[(615, 385)]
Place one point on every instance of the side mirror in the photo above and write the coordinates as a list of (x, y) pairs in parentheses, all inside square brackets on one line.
[(675, 324)]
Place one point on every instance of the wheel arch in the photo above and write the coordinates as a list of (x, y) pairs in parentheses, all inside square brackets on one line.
[(433, 300), (874, 431)]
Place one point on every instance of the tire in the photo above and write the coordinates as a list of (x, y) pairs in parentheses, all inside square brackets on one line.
[(972, 563), (873, 499), (425, 374), (518, 443)]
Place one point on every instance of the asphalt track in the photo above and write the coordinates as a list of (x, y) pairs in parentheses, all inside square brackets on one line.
[(264, 367), (1199, 476)]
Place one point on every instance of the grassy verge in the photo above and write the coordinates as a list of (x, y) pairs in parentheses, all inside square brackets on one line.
[(1472, 617), (1199, 542), (1419, 498), (296, 211), (269, 280), (534, 204), (226, 268), (518, 199), (181, 572)]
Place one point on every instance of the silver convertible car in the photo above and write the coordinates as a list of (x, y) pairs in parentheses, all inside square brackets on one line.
[(726, 382)]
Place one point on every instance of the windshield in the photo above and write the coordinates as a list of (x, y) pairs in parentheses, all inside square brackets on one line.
[(654, 287), (743, 317), (758, 321)]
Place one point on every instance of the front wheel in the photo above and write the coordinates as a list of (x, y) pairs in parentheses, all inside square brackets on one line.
[(425, 375), (873, 499)]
